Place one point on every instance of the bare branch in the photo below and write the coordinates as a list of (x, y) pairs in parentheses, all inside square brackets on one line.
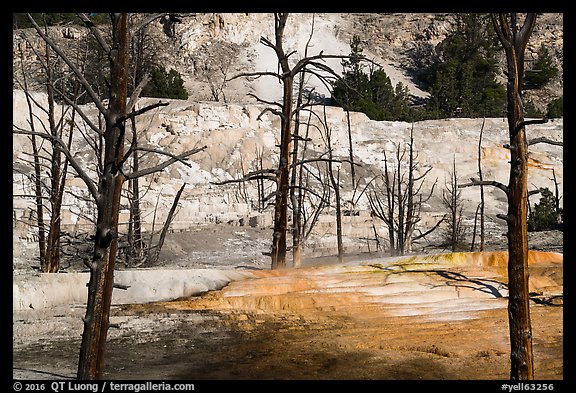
[(255, 175), (79, 110), (545, 140), (99, 104), (158, 168), (476, 182), (146, 22), (64, 148), (90, 25), (255, 75), (141, 111), (420, 236), (504, 217), (533, 192), (525, 123), (136, 93), (302, 162)]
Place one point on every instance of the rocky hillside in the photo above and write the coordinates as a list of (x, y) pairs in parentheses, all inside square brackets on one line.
[(210, 47), (240, 137)]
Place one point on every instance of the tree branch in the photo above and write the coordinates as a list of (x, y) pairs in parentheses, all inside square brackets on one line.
[(99, 104), (476, 182), (255, 175), (158, 168), (420, 236), (90, 25), (141, 111), (544, 140), (136, 93), (525, 123), (64, 149)]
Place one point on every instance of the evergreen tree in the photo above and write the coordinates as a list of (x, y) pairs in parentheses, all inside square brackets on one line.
[(464, 77), (544, 217), (165, 85), (531, 111), (373, 93), (555, 108), (543, 71)]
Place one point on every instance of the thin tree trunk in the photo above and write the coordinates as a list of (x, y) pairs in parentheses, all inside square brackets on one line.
[(283, 181), (168, 222), (283, 174), (100, 285), (39, 206), (352, 171), (410, 206), (294, 195), (37, 176), (514, 42), (53, 241), (135, 205), (475, 228), (336, 186), (481, 187)]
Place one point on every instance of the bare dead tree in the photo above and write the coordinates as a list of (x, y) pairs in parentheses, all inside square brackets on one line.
[(481, 205), (514, 38), (49, 240), (297, 194), (213, 65), (106, 190), (335, 181), (514, 41), (285, 110), (167, 223), (397, 200), (452, 200)]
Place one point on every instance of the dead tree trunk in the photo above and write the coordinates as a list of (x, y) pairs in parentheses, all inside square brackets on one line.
[(283, 172), (167, 223), (286, 76), (350, 149), (283, 181), (514, 42), (106, 191), (335, 181), (481, 210), (411, 213), (451, 199), (91, 362)]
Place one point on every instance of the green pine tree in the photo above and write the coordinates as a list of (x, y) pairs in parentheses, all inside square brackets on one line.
[(555, 108), (543, 70), (544, 217), (165, 85), (372, 93), (464, 78)]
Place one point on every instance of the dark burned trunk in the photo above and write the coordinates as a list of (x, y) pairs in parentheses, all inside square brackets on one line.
[(283, 172), (91, 362), (514, 42), (518, 303), (283, 181)]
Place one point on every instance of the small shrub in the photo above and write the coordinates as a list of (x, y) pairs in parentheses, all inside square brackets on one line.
[(165, 85), (543, 71), (555, 108), (545, 216)]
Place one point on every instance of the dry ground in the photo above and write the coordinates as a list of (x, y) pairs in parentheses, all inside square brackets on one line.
[(314, 323)]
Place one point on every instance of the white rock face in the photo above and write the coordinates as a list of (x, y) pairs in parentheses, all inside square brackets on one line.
[(236, 135)]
